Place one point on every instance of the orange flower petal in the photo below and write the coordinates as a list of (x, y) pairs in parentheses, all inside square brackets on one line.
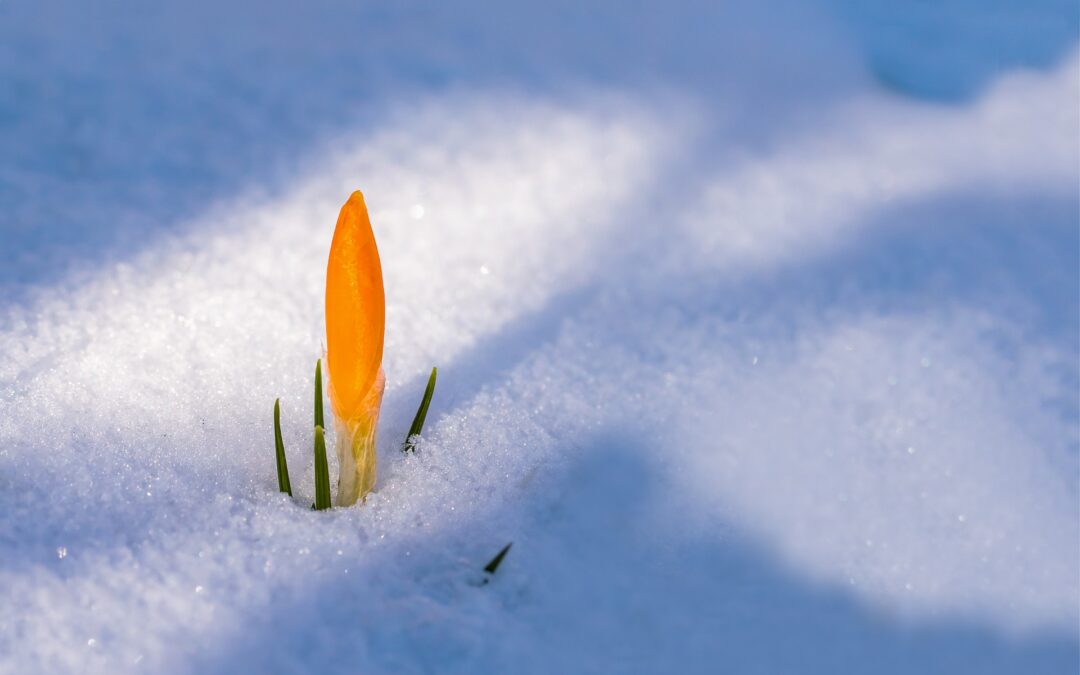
[(355, 312), (355, 321)]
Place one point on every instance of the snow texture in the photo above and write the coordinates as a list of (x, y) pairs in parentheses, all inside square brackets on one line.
[(756, 328)]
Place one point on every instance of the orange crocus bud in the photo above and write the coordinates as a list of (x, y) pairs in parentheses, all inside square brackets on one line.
[(355, 323)]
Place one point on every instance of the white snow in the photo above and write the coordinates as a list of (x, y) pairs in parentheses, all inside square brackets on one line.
[(756, 335)]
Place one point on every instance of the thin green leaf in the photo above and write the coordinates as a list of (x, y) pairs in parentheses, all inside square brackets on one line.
[(322, 472), (421, 414), (279, 448), (318, 395), (497, 560)]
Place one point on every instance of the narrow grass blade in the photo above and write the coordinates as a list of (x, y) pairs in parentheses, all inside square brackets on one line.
[(322, 472), (318, 395), (497, 560), (279, 447), (421, 414)]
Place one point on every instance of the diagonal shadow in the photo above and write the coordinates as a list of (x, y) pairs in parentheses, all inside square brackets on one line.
[(963, 247), (594, 587), (122, 125), (627, 599), (906, 259), (909, 257), (613, 595)]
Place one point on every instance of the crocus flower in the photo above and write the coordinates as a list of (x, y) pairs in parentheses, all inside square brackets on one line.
[(355, 323)]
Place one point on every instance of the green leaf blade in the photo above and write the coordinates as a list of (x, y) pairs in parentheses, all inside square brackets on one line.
[(318, 395), (322, 472), (421, 414), (279, 448), (497, 560)]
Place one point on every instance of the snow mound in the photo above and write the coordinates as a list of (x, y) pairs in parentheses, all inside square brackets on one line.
[(756, 391)]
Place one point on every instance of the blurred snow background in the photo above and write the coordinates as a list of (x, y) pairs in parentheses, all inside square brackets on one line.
[(757, 331)]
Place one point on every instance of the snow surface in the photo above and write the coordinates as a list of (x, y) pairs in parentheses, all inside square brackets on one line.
[(757, 332)]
